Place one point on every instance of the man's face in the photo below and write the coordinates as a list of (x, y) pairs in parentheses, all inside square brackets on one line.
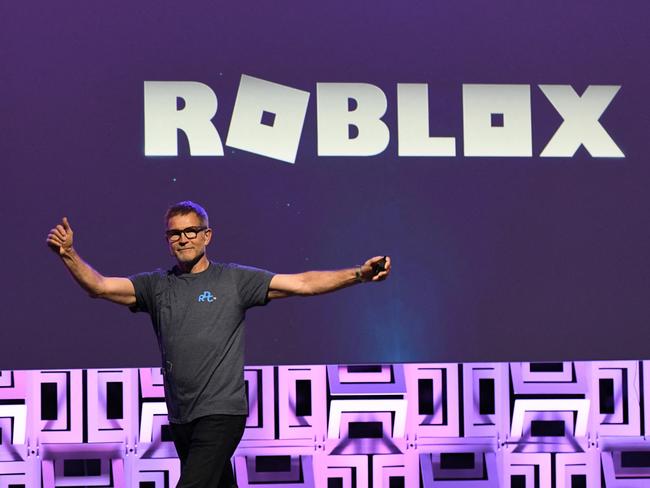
[(187, 250)]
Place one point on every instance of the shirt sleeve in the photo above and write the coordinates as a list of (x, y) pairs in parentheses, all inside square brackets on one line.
[(144, 292), (252, 285)]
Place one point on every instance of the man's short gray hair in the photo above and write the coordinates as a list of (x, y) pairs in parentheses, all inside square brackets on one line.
[(186, 207)]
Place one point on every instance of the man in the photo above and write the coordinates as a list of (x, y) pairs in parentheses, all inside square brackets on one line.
[(197, 309)]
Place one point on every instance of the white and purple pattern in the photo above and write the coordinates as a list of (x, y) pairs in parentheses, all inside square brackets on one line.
[(530, 425)]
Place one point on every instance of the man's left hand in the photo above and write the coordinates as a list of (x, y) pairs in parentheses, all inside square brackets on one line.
[(367, 269)]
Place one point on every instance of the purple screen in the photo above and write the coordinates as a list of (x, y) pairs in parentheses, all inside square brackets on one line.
[(495, 257)]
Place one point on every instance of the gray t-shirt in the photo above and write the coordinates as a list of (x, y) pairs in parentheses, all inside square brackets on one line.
[(198, 320)]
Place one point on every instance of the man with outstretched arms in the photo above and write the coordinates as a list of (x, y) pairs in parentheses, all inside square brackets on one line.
[(197, 309)]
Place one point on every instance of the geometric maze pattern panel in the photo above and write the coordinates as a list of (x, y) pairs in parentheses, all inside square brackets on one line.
[(518, 425)]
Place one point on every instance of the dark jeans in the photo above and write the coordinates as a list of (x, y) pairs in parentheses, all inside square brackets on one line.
[(204, 447)]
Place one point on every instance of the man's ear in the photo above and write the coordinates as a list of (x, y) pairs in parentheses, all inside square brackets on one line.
[(208, 236)]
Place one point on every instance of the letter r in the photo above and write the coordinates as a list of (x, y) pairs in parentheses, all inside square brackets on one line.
[(163, 120)]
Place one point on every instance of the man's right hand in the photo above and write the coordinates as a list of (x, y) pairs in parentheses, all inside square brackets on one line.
[(60, 238), (114, 289)]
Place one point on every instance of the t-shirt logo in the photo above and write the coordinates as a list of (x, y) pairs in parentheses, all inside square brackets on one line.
[(207, 296)]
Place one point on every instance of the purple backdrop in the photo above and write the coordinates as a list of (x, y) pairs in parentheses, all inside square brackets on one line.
[(495, 259)]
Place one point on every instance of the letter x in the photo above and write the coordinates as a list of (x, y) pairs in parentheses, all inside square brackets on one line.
[(581, 125)]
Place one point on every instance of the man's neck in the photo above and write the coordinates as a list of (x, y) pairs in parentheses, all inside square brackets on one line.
[(195, 266)]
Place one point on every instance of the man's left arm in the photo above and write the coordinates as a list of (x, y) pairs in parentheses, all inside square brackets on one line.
[(318, 282)]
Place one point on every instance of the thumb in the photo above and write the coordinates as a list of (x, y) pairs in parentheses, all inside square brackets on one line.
[(66, 225)]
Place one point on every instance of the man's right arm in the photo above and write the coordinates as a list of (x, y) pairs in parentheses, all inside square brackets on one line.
[(116, 290)]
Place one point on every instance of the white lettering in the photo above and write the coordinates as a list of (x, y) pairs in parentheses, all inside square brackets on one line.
[(581, 125), (496, 120), (162, 118), (335, 119), (267, 119), (413, 124)]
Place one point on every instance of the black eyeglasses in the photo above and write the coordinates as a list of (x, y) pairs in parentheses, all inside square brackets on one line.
[(174, 235)]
